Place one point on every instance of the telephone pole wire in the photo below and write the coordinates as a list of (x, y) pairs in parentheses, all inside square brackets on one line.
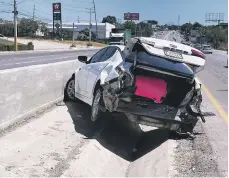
[(15, 25)]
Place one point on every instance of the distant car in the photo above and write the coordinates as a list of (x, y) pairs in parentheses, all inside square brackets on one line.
[(3, 37), (207, 49)]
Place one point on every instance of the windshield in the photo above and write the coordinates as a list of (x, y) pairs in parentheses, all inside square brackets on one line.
[(116, 39), (207, 47), (117, 30)]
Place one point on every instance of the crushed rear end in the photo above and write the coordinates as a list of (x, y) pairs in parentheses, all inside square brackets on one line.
[(154, 90)]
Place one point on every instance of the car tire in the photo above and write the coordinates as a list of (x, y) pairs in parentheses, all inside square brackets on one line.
[(96, 112), (69, 92)]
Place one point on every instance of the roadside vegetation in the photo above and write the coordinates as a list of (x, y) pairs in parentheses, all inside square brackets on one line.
[(215, 35), (6, 45)]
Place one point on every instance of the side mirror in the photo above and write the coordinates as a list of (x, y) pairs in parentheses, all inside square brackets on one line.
[(82, 59)]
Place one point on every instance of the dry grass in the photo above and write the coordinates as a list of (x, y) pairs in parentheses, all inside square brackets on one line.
[(76, 43), (84, 43)]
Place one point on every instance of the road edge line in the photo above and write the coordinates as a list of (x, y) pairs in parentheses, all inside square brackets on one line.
[(214, 101)]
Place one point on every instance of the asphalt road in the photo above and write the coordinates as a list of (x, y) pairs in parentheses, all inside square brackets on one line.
[(21, 59)]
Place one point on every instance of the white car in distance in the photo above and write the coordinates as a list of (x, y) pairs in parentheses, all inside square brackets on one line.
[(3, 37), (152, 81)]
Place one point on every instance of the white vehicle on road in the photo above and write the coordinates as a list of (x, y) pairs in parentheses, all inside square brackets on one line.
[(207, 49), (3, 37), (152, 81)]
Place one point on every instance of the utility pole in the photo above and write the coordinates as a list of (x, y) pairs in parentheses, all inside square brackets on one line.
[(93, 1), (73, 30), (78, 19), (90, 28), (15, 25), (178, 22), (34, 8)]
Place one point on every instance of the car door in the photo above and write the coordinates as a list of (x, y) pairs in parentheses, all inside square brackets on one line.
[(96, 69), (82, 73)]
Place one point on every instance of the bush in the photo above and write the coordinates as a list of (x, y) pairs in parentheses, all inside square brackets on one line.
[(21, 47), (30, 46), (73, 45), (89, 44)]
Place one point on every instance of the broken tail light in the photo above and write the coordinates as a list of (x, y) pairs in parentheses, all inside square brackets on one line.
[(197, 53)]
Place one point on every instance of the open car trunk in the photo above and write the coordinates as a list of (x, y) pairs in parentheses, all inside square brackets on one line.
[(152, 90)]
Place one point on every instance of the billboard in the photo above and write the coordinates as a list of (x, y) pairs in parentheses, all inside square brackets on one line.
[(131, 16)]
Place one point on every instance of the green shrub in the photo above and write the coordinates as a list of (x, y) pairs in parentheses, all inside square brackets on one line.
[(21, 47), (89, 44), (73, 45)]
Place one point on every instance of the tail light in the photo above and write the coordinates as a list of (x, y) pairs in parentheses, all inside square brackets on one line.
[(197, 53)]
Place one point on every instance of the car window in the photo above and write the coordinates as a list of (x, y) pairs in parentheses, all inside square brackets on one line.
[(109, 53), (98, 55)]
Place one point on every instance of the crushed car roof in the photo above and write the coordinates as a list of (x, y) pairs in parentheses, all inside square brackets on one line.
[(157, 47)]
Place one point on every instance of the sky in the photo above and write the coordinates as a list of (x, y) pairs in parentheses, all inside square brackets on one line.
[(164, 11)]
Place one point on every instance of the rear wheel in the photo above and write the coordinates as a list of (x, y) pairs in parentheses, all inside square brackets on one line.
[(69, 92)]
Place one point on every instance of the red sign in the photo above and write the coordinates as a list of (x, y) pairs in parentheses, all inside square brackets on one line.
[(56, 7), (131, 16)]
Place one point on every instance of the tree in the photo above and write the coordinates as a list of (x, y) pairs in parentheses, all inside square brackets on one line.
[(196, 26), (186, 28), (27, 27), (110, 19), (130, 25), (84, 35), (216, 35), (144, 29), (44, 29)]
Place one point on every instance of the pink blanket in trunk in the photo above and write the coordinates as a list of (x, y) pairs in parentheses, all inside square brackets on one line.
[(152, 88)]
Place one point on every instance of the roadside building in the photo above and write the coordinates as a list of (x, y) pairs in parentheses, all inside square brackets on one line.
[(103, 29)]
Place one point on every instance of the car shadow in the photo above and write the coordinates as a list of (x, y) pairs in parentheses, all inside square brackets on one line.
[(116, 133)]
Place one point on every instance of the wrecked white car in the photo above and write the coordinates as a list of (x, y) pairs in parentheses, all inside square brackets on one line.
[(150, 80)]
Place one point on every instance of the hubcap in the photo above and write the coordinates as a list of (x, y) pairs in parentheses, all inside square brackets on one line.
[(71, 89), (95, 106)]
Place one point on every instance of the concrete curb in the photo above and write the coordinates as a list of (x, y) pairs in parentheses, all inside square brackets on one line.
[(52, 50), (28, 115)]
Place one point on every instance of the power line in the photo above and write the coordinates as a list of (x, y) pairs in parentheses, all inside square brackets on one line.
[(2, 2), (21, 2)]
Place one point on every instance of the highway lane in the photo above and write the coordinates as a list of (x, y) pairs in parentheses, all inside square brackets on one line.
[(21, 59), (215, 78)]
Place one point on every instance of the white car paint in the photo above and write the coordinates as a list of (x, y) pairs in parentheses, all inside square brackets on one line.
[(88, 75), (159, 44)]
